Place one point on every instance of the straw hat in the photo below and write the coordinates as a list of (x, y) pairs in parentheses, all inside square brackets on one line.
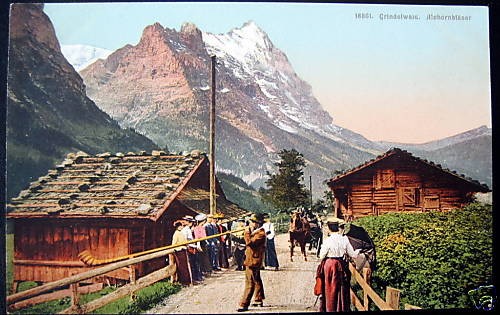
[(332, 219)]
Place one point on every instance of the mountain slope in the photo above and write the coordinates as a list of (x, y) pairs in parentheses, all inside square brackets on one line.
[(161, 87), (471, 157), (48, 113), (441, 143)]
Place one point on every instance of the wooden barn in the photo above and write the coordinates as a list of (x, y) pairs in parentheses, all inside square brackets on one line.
[(397, 181), (111, 205)]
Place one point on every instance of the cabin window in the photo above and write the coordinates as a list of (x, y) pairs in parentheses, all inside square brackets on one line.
[(410, 196), (385, 179), (431, 202)]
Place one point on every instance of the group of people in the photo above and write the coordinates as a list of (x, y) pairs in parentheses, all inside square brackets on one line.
[(198, 259), (254, 249)]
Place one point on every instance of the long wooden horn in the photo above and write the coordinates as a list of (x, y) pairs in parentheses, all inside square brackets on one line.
[(87, 258)]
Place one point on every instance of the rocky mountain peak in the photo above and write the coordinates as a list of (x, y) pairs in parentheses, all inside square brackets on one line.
[(192, 37), (190, 28), (28, 20), (153, 33)]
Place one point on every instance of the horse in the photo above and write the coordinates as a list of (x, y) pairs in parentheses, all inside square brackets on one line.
[(315, 238), (299, 232)]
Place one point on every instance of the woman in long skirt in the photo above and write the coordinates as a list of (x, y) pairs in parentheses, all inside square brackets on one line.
[(335, 290), (271, 259), (181, 257)]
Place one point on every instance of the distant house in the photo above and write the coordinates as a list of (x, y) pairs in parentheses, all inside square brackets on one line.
[(111, 205), (397, 181)]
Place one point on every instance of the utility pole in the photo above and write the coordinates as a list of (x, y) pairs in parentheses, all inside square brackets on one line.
[(212, 143), (311, 191)]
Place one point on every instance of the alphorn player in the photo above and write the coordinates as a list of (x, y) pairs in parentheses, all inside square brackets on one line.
[(255, 241)]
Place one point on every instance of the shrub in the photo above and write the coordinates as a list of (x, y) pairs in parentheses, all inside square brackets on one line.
[(435, 258)]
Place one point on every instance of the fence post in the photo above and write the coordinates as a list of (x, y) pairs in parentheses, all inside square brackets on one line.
[(133, 278), (392, 297), (367, 275), (75, 297)]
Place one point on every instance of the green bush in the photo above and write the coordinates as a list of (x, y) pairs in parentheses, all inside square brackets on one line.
[(435, 258)]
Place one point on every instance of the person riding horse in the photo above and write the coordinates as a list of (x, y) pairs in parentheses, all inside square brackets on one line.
[(315, 238), (299, 232)]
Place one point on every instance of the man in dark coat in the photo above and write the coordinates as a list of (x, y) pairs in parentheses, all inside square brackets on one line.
[(213, 243), (255, 240)]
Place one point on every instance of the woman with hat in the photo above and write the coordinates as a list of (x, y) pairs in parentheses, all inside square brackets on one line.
[(180, 254), (334, 270), (200, 232), (255, 241)]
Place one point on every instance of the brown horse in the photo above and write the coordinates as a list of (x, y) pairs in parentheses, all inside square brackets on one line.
[(299, 232)]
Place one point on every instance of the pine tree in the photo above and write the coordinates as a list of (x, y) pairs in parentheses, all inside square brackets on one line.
[(285, 188)]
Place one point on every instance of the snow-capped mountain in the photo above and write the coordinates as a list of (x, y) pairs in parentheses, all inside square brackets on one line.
[(161, 88), (81, 56), (251, 56)]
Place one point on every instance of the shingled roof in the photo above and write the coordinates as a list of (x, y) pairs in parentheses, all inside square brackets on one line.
[(396, 151), (132, 185)]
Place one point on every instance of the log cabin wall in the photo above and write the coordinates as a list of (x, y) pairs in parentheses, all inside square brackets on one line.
[(400, 185), (48, 250)]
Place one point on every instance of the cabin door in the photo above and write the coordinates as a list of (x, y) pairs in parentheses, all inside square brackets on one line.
[(408, 198)]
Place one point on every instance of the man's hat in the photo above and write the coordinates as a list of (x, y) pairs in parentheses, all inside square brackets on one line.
[(188, 218), (200, 217), (241, 220), (257, 217), (332, 219), (218, 215)]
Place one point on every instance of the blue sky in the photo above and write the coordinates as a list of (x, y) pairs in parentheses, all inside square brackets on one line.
[(389, 79)]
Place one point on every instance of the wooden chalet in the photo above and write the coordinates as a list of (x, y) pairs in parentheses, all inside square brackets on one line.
[(397, 181), (111, 205)]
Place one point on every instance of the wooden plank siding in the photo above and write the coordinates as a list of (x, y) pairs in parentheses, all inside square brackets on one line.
[(49, 251), (399, 182)]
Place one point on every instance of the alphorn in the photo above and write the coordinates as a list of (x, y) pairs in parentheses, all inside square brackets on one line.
[(89, 260)]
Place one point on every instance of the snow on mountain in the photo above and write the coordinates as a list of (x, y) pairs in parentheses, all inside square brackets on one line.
[(80, 56), (290, 104)]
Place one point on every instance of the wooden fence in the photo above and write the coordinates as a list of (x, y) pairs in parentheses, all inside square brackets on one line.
[(392, 295), (39, 294)]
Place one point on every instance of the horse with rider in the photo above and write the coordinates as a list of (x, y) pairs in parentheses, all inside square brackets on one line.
[(304, 228)]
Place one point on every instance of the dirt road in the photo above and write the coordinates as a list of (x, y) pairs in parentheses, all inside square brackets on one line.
[(287, 290)]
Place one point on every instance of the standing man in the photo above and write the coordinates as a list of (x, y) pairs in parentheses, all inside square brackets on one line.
[(213, 243), (255, 241), (192, 249), (223, 240), (271, 259), (239, 244)]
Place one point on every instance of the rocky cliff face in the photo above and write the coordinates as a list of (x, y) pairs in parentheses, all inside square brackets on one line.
[(48, 112), (161, 87)]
